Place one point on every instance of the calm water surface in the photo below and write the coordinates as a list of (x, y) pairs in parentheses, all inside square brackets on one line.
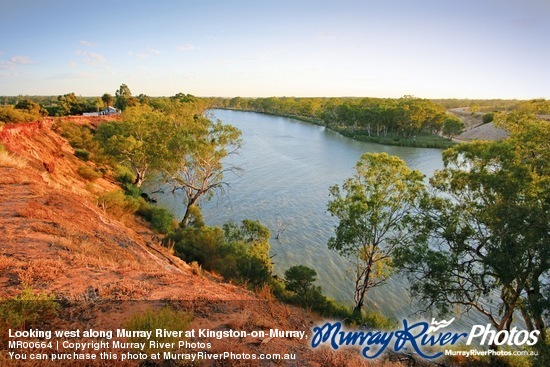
[(288, 167)]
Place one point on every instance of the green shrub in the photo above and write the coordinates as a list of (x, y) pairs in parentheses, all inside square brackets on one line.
[(82, 154), (118, 204), (124, 175), (88, 173), (375, 320), (299, 281), (132, 190), (27, 310), (9, 114), (80, 137), (165, 318), (201, 244), (161, 219), (238, 253), (488, 117)]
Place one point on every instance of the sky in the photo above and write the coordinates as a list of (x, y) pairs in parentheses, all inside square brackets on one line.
[(302, 48)]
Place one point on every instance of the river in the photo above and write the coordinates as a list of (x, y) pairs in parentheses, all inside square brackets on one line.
[(288, 167)]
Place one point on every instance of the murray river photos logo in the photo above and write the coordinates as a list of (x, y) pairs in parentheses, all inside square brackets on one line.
[(417, 336)]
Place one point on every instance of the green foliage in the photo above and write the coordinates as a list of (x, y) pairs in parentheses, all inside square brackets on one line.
[(543, 357), (124, 98), (145, 140), (27, 310), (124, 175), (82, 154), (452, 126), (485, 227), (372, 207), (132, 190), (88, 173), (80, 137), (31, 107), (69, 104), (152, 319), (118, 204), (298, 289), (202, 244), (237, 252), (299, 279), (371, 117), (107, 100), (422, 140), (488, 117), (161, 219), (200, 171), (9, 114), (535, 106), (252, 236)]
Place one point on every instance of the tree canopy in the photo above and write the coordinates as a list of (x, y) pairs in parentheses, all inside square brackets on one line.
[(371, 208), (483, 230)]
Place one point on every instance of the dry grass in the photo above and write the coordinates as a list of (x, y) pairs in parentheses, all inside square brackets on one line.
[(196, 268), (91, 252), (7, 362), (125, 289), (40, 271), (348, 357), (11, 160), (7, 262)]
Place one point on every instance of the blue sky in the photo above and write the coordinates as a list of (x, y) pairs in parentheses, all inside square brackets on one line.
[(382, 48)]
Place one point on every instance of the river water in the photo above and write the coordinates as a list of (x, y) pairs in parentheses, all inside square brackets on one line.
[(288, 167)]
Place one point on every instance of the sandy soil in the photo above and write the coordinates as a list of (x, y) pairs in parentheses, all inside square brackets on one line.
[(475, 129)]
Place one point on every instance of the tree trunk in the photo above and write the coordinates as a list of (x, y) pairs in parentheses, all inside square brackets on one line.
[(187, 216), (140, 176), (185, 221)]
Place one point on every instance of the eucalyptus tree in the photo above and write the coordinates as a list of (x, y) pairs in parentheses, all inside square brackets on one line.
[(200, 171), (107, 100), (123, 98), (145, 140), (372, 207), (452, 126), (481, 237)]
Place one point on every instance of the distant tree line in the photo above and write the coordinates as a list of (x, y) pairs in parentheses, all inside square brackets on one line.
[(377, 117)]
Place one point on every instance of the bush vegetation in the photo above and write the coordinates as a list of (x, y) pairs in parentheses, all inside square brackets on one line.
[(239, 253), (82, 154), (118, 204), (488, 117), (88, 173), (27, 310), (24, 111), (161, 219), (165, 318)]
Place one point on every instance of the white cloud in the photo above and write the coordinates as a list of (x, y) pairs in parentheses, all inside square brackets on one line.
[(15, 61), (144, 54), (87, 43), (22, 60), (92, 58), (187, 47)]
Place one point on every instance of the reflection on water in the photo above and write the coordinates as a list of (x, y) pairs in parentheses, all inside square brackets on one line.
[(288, 166)]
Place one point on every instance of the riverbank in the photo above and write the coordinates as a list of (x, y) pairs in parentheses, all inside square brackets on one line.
[(417, 141)]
